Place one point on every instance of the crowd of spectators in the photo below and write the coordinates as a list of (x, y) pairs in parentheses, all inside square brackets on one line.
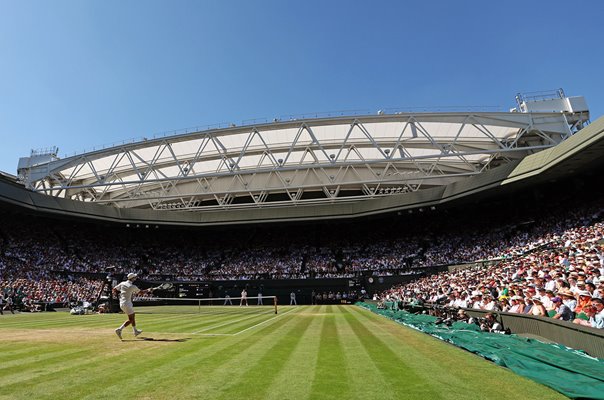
[(55, 261), (58, 251), (336, 297), (40, 294), (559, 274)]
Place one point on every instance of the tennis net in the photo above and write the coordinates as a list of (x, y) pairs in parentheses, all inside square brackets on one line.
[(217, 305)]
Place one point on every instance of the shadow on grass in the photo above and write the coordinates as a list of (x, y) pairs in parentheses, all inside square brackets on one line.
[(150, 339)]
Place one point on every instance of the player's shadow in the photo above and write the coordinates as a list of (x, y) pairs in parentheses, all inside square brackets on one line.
[(150, 339)]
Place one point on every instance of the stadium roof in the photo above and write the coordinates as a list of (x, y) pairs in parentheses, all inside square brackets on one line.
[(580, 154), (306, 162)]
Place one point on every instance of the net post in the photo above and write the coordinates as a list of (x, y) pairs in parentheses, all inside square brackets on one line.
[(275, 303)]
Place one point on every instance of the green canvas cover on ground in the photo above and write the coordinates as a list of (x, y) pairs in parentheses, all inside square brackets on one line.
[(570, 372)]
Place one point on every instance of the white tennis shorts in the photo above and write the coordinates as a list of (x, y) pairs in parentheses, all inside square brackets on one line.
[(127, 308)]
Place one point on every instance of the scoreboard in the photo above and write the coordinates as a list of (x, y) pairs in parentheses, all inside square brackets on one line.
[(192, 290)]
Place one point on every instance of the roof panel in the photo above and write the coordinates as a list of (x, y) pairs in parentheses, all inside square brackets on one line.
[(310, 153)]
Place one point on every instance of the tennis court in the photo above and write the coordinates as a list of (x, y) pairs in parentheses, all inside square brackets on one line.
[(306, 352)]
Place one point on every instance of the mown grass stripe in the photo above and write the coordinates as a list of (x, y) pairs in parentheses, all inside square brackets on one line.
[(230, 323), (330, 379), (183, 324), (255, 381), (65, 320), (295, 375), (366, 379), (221, 325), (178, 371), (135, 365), (71, 371), (32, 369), (34, 358), (34, 323), (64, 326), (444, 365), (161, 319), (265, 321), (21, 350), (392, 365), (86, 372), (176, 323), (199, 323), (232, 362), (436, 371)]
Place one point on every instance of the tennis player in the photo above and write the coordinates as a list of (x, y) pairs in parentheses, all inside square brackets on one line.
[(243, 298), (260, 303), (125, 290)]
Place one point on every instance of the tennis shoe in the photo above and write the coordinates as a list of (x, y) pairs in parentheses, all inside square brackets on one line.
[(118, 332), (137, 332)]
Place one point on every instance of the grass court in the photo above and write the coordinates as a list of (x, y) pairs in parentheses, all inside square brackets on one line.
[(306, 352)]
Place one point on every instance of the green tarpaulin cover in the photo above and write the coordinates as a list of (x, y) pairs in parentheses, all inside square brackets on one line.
[(570, 372)]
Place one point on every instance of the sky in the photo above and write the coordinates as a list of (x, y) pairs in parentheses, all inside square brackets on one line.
[(78, 74)]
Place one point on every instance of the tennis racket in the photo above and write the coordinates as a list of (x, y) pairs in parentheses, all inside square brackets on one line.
[(163, 286)]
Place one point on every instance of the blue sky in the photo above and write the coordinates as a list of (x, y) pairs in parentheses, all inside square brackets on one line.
[(76, 74)]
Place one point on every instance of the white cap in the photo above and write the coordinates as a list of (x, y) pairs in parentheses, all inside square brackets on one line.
[(132, 276)]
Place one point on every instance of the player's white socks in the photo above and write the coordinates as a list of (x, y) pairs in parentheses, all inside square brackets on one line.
[(122, 326), (134, 329)]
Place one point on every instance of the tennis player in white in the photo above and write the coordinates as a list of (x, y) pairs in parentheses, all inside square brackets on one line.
[(243, 298), (125, 290)]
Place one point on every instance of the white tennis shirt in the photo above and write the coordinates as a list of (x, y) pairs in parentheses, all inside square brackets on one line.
[(127, 289)]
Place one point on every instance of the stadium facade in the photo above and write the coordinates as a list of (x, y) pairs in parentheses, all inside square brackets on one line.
[(309, 169)]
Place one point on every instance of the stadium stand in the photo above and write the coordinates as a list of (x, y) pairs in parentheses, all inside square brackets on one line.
[(531, 251), (558, 274)]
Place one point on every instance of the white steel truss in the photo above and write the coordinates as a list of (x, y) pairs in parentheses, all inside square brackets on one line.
[(298, 162)]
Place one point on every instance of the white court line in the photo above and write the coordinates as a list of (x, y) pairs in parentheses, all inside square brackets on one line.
[(211, 334), (237, 333), (263, 322), (229, 322)]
